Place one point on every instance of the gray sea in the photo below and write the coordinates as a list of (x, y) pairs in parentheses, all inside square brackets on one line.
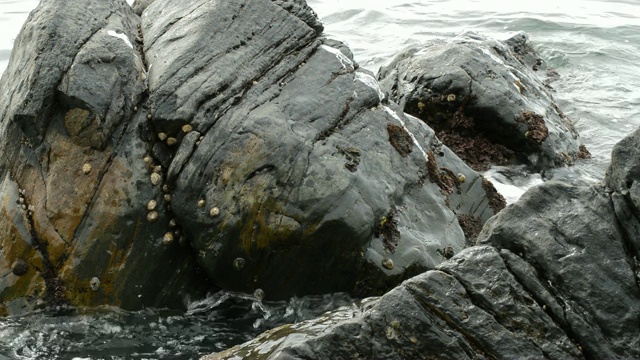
[(593, 44)]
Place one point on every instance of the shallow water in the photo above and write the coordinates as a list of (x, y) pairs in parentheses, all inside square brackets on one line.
[(594, 45), (216, 323)]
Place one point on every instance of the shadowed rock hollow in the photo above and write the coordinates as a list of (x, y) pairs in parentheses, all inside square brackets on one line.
[(209, 144)]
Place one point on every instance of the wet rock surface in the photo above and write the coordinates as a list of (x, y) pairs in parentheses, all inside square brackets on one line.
[(489, 101), (554, 275), (298, 155), (229, 144)]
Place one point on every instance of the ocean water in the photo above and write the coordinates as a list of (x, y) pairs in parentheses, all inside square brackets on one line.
[(593, 44)]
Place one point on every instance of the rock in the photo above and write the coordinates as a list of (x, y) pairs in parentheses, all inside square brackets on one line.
[(68, 98), (313, 180), (299, 167), (555, 275), (472, 307), (139, 6), (485, 100)]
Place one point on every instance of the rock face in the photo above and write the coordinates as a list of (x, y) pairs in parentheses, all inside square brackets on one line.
[(212, 144), (74, 183), (297, 154), (555, 275), (485, 101)]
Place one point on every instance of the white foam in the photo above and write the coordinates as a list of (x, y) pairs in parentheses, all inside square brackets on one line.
[(415, 141), (347, 64), (369, 81), (120, 36)]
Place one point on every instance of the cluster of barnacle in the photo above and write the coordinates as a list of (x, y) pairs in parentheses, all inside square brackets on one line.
[(22, 202), (25, 141)]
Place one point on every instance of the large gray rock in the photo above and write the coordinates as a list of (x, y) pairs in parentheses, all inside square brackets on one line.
[(555, 276), (75, 186), (302, 180), (472, 307), (212, 144), (485, 100)]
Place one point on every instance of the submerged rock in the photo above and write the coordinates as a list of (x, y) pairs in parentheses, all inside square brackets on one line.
[(486, 100), (267, 141)]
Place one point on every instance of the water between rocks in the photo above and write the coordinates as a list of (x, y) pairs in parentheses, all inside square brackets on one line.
[(593, 44)]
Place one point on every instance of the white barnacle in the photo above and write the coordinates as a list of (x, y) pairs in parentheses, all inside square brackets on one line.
[(214, 212), (94, 284), (167, 238), (151, 205), (152, 216), (155, 178), (86, 168), (162, 136)]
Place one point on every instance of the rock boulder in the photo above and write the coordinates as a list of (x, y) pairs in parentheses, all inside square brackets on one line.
[(555, 275), (487, 100), (205, 144)]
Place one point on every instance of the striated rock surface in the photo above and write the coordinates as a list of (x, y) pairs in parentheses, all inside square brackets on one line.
[(146, 160), (487, 100), (555, 276), (302, 179)]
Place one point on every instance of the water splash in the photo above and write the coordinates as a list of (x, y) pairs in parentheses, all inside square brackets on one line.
[(221, 320)]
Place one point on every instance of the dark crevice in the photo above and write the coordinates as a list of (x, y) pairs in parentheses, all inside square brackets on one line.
[(629, 246), (54, 288)]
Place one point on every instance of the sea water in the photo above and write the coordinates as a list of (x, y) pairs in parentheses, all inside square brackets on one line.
[(593, 44)]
